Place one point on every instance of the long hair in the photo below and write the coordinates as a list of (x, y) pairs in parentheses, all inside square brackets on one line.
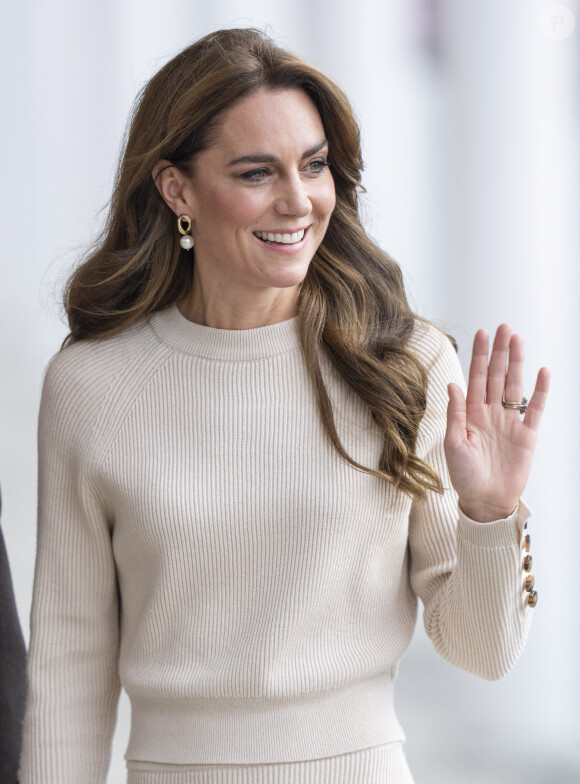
[(351, 304)]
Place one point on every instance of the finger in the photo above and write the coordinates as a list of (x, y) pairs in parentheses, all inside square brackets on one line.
[(456, 416), (496, 374), (477, 385), (514, 382), (538, 400)]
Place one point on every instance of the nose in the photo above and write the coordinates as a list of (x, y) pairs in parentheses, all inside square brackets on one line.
[(292, 197)]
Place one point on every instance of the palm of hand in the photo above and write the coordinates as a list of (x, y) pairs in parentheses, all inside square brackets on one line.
[(489, 448)]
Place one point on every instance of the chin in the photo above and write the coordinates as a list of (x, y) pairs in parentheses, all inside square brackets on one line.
[(288, 280), (281, 275)]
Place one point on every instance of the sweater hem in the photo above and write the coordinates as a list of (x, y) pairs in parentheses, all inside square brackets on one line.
[(246, 731)]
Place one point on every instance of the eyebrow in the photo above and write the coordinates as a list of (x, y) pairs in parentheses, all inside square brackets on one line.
[(262, 157)]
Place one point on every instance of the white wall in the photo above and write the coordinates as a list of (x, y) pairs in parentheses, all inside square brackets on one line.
[(470, 133)]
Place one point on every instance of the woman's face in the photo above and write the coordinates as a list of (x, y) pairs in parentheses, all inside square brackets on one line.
[(261, 196)]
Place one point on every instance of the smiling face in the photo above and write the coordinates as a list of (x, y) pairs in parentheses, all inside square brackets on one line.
[(260, 197)]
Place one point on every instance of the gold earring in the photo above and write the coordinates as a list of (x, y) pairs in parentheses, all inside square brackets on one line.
[(184, 226)]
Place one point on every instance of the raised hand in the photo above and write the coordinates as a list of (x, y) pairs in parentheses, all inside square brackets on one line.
[(489, 448)]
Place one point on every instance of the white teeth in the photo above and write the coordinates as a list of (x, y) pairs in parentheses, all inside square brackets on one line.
[(285, 239)]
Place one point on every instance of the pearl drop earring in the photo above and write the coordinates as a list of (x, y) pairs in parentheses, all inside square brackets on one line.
[(184, 226)]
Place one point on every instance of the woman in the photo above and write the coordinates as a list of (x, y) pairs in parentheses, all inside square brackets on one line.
[(243, 484)]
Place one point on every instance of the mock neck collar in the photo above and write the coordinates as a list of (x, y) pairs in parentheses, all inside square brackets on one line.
[(173, 329)]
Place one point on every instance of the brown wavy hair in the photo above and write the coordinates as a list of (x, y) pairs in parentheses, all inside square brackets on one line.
[(351, 303)]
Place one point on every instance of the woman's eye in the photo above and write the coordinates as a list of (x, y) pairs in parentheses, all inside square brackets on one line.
[(259, 175), (317, 166), (256, 175)]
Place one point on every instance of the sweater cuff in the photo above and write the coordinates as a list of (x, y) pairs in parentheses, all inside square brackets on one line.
[(498, 533)]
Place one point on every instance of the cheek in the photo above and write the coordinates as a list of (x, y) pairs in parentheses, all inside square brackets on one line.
[(326, 201), (228, 207)]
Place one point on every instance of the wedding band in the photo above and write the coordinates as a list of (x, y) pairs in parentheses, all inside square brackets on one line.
[(521, 407)]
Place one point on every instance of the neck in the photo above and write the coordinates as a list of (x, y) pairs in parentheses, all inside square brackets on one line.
[(234, 309)]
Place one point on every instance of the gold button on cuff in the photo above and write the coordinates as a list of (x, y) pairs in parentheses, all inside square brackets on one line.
[(526, 543), (527, 563), (529, 582), (533, 599)]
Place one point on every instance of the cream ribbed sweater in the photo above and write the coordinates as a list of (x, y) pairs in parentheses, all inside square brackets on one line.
[(202, 543)]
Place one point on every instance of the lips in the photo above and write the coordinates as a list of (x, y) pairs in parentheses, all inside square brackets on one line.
[(283, 239)]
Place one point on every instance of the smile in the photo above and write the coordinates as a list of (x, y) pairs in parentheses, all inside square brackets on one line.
[(284, 239)]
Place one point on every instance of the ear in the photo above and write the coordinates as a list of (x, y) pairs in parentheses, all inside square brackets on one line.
[(171, 184)]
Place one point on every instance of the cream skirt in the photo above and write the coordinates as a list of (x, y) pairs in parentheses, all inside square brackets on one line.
[(384, 764)]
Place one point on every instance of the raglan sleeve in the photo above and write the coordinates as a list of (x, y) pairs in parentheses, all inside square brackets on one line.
[(73, 683), (468, 575)]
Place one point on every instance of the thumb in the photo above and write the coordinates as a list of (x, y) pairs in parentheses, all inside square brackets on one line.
[(456, 416)]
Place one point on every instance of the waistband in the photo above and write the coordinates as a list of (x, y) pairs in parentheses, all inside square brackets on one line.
[(377, 765), (244, 731)]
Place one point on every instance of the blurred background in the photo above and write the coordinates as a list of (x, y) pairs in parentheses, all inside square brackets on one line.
[(470, 116)]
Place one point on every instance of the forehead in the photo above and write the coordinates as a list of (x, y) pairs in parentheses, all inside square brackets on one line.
[(269, 121)]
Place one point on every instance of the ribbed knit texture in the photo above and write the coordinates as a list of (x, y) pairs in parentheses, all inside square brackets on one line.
[(201, 542), (385, 764)]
